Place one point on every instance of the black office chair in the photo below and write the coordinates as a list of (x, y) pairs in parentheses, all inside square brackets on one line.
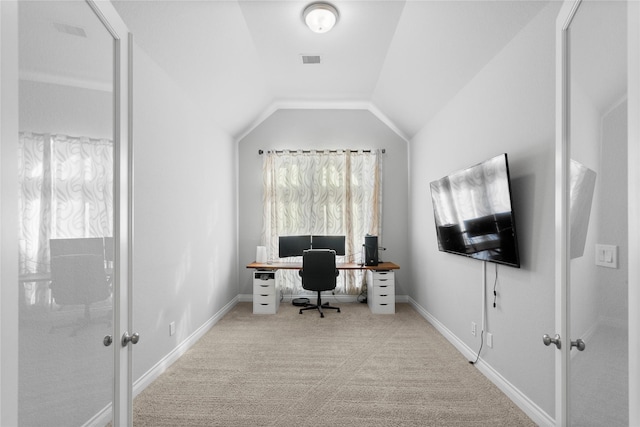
[(319, 274), (78, 279)]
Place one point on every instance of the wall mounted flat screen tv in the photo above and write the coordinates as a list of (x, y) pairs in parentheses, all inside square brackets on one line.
[(474, 214)]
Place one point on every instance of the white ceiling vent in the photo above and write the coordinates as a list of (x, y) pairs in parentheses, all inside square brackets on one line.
[(310, 59), (70, 29)]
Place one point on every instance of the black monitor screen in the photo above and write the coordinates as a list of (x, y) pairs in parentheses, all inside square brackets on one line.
[(293, 245), (335, 243)]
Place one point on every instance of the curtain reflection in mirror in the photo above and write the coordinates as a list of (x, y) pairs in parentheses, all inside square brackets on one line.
[(66, 191)]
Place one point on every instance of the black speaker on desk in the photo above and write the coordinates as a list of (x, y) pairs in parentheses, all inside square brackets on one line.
[(371, 250)]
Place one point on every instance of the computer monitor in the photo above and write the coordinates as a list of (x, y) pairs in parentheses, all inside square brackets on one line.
[(293, 245), (335, 243)]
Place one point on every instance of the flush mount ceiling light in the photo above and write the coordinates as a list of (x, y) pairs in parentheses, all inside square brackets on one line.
[(320, 17)]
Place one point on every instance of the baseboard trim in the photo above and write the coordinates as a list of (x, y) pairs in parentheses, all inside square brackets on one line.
[(534, 412), (159, 368), (102, 418)]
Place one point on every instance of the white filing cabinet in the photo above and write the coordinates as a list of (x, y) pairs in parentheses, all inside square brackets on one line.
[(381, 291), (265, 296)]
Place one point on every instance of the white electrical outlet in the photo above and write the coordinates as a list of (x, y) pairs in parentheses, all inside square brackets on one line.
[(172, 328), (490, 340), (473, 328)]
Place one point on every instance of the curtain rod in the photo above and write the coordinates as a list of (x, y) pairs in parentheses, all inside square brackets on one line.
[(260, 152), (91, 139)]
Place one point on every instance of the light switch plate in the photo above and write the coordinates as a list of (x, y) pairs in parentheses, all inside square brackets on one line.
[(607, 256)]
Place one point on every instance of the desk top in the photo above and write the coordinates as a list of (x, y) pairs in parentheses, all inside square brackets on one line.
[(46, 277), (340, 265), (34, 277)]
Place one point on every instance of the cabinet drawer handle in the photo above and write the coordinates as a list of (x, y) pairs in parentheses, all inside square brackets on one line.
[(262, 303), (383, 286), (383, 304), (384, 295)]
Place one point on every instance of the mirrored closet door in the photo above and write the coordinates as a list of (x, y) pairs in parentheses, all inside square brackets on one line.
[(69, 220), (592, 311)]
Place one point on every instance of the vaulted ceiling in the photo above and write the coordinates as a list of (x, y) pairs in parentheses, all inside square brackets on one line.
[(403, 60), (241, 60)]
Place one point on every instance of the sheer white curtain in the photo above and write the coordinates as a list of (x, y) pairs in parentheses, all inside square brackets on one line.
[(322, 192), (65, 191)]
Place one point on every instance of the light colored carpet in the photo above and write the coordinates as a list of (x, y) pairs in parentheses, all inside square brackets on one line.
[(348, 369)]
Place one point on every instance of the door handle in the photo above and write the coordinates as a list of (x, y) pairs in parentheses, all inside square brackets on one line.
[(547, 340), (107, 340), (579, 344), (133, 339)]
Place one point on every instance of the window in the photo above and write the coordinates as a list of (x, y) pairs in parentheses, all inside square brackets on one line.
[(322, 192), (66, 191)]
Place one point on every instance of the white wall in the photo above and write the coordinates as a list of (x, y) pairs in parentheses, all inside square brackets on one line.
[(508, 107), (67, 110), (319, 129), (184, 214)]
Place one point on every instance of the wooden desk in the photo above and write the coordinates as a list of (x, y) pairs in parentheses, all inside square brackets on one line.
[(46, 277), (383, 266)]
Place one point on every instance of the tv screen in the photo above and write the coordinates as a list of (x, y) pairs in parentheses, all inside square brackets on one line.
[(335, 243), (474, 214), (293, 245)]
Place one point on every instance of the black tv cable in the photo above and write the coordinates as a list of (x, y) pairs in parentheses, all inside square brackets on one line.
[(495, 282), (481, 342)]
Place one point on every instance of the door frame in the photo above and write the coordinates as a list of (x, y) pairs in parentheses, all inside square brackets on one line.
[(565, 16), (562, 271), (633, 88), (123, 211)]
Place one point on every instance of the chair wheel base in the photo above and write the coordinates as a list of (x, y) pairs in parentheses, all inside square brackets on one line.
[(320, 307)]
